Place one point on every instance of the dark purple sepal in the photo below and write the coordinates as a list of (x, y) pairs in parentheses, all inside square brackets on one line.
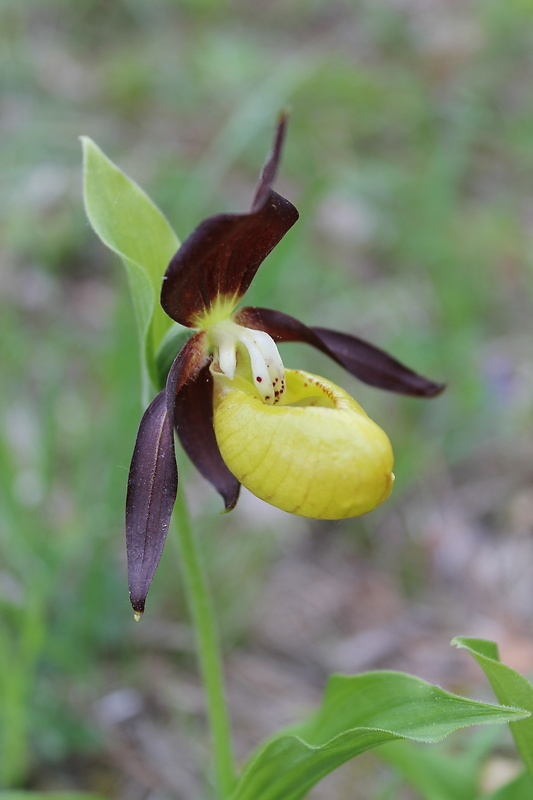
[(368, 363), (190, 405), (152, 487), (220, 258), (268, 173)]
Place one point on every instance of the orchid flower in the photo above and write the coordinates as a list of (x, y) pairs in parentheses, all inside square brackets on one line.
[(294, 439)]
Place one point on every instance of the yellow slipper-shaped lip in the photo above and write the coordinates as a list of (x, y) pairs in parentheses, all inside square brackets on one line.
[(316, 454)]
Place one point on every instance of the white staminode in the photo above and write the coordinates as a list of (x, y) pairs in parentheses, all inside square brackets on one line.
[(265, 361)]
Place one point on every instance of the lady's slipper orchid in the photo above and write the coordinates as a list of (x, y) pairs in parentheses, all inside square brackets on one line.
[(294, 439)]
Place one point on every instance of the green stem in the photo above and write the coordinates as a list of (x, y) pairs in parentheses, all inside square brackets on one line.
[(209, 655)]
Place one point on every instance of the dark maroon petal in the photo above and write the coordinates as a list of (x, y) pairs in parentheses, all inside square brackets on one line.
[(193, 415), (192, 357), (362, 359), (152, 487), (220, 258), (190, 404)]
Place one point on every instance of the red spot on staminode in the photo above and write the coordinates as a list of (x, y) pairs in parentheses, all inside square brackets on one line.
[(267, 397), (258, 379)]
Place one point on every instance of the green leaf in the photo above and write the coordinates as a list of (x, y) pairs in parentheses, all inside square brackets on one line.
[(510, 687), (357, 714), (132, 226)]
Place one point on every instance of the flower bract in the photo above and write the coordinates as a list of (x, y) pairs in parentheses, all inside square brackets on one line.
[(294, 439)]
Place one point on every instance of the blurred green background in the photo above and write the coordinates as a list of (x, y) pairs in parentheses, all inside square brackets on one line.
[(410, 159)]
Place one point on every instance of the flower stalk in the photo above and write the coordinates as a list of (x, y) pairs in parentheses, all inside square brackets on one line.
[(208, 646)]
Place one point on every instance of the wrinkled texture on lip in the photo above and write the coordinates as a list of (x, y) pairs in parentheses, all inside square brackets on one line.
[(317, 454)]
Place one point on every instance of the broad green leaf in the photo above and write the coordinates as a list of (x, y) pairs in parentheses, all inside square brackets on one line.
[(129, 223), (357, 714), (520, 788), (510, 687)]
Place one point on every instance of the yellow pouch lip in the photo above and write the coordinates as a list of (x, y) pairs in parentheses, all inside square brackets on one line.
[(316, 454)]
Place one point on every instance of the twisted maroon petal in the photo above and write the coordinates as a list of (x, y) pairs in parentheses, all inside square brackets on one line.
[(152, 487), (220, 258), (362, 359), (190, 406), (193, 415)]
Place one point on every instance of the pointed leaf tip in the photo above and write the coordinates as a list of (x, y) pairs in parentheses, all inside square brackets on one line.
[(358, 714), (129, 223), (510, 687)]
